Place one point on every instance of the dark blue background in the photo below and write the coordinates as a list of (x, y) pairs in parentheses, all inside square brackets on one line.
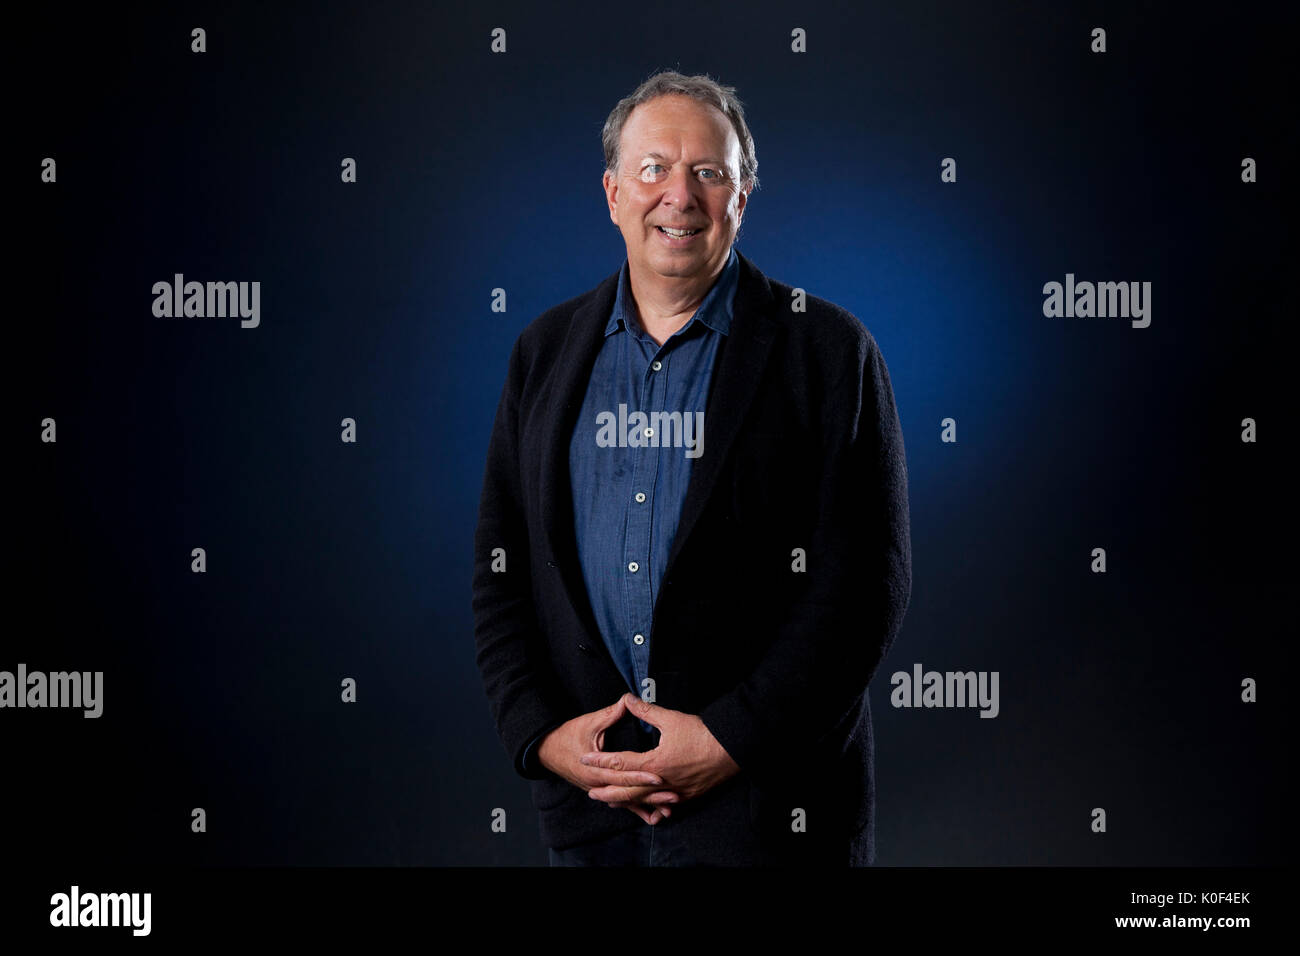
[(479, 171)]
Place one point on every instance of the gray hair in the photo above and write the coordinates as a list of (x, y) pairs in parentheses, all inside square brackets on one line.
[(700, 87)]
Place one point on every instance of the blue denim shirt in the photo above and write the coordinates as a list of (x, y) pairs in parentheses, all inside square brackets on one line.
[(629, 476), (629, 486)]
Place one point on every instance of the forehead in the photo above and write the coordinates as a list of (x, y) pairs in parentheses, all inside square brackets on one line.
[(669, 123)]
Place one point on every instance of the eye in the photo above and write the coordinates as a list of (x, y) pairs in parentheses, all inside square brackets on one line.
[(714, 174), (647, 171)]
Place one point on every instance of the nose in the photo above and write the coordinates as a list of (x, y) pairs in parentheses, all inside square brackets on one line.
[(679, 190)]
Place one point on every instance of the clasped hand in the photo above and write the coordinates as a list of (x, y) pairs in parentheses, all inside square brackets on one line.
[(687, 762)]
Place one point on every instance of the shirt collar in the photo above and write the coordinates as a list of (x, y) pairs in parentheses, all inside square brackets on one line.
[(715, 310)]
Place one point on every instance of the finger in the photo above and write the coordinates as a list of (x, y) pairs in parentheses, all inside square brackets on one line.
[(649, 816), (616, 759), (646, 796), (618, 794), (622, 778), (645, 815), (599, 777), (652, 714), (609, 716)]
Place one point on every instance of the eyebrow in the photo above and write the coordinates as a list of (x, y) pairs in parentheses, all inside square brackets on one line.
[(707, 159)]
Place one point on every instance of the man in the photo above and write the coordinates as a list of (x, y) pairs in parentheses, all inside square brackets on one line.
[(693, 547)]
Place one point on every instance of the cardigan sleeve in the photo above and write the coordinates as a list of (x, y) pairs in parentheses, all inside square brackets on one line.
[(523, 692)]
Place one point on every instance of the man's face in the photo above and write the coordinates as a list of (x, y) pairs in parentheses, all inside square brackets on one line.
[(679, 168)]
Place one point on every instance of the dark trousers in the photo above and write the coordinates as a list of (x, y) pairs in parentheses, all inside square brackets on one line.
[(660, 845), (729, 826)]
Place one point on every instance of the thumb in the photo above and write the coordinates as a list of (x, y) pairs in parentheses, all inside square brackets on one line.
[(609, 715), (652, 714)]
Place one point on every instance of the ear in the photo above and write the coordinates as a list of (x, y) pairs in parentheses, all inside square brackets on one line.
[(610, 183)]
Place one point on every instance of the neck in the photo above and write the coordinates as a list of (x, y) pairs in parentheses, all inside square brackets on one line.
[(666, 303)]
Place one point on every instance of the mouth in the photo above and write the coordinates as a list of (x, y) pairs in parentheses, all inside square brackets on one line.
[(678, 235)]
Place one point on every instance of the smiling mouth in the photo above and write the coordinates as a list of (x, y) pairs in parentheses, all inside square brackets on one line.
[(677, 233)]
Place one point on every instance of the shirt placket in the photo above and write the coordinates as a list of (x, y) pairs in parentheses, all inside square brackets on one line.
[(640, 525)]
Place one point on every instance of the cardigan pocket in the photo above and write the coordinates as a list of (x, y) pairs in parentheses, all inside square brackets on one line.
[(550, 792)]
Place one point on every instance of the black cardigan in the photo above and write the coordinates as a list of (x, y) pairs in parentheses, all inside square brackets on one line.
[(797, 516)]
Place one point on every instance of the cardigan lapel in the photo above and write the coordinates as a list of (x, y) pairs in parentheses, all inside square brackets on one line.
[(739, 370), (582, 343)]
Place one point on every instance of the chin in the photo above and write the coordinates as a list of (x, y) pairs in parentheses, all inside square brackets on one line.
[(679, 268)]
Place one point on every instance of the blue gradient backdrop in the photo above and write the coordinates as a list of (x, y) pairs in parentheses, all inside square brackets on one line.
[(477, 171)]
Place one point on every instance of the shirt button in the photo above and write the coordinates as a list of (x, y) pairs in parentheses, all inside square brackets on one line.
[(640, 497), (656, 365), (638, 639), (649, 433), (633, 567)]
